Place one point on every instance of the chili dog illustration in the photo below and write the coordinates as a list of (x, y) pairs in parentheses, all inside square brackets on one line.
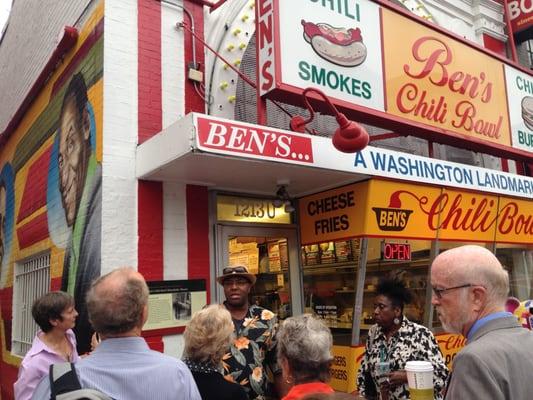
[(339, 46), (527, 111)]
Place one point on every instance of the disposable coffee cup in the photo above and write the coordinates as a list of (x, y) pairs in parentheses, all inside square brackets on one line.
[(420, 379)]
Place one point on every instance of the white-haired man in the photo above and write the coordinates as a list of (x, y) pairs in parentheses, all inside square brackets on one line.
[(122, 366), (470, 288)]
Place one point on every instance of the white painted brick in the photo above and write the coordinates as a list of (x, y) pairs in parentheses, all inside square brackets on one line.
[(172, 66), (119, 198), (174, 345), (174, 231)]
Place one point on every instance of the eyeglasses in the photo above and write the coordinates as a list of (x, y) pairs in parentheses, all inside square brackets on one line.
[(234, 270), (439, 292)]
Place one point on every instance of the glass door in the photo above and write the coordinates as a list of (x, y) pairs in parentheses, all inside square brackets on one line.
[(272, 255)]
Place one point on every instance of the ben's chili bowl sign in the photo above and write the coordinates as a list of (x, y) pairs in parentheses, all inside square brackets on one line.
[(419, 212), (254, 141), (438, 81)]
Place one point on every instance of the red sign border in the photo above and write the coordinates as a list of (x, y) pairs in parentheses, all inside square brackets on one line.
[(404, 126)]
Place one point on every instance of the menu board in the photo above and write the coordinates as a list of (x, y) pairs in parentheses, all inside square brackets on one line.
[(274, 261), (327, 252), (312, 254), (283, 254), (343, 250), (246, 254)]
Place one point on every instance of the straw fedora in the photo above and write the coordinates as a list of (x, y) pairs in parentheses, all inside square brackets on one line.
[(236, 270)]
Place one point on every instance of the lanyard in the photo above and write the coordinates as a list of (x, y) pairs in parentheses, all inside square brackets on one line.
[(383, 353)]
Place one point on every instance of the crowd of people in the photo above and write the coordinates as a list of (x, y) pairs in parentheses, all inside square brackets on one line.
[(240, 351)]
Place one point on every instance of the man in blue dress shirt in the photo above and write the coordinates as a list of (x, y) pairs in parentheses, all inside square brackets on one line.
[(123, 366), (470, 288)]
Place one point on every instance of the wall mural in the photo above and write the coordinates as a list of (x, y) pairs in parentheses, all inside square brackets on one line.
[(50, 183)]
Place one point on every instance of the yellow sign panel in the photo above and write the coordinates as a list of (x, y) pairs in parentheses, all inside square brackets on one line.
[(399, 210), (389, 209), (450, 344), (244, 209), (415, 211), (515, 221), (346, 361), (428, 81), (464, 215), (333, 215)]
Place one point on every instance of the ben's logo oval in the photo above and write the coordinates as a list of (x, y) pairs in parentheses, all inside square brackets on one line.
[(392, 219)]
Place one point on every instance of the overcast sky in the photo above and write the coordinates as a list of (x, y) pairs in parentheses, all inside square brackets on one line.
[(5, 6)]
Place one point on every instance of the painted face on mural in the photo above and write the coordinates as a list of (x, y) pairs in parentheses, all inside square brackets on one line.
[(74, 152), (2, 221)]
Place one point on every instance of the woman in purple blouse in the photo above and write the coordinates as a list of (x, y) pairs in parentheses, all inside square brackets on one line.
[(55, 342)]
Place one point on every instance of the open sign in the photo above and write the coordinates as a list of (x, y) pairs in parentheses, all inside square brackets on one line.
[(395, 251)]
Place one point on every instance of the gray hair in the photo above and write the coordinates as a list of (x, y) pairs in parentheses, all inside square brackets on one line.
[(305, 342), (208, 335), (115, 302)]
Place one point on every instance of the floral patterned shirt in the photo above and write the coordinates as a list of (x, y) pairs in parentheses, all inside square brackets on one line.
[(251, 361), (411, 342)]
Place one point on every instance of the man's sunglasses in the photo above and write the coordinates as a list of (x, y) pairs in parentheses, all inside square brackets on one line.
[(234, 270)]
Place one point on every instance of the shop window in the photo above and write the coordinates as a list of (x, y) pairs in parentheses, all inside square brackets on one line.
[(519, 263), (32, 280), (329, 279), (268, 259), (406, 260), (529, 52)]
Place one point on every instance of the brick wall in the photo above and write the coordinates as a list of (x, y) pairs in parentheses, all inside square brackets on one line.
[(31, 37), (119, 228)]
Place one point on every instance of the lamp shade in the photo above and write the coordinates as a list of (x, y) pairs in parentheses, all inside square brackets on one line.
[(349, 137)]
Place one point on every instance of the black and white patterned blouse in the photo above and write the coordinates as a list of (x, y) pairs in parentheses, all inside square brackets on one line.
[(412, 342)]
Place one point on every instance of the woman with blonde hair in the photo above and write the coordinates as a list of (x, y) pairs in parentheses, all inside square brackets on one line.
[(207, 338)]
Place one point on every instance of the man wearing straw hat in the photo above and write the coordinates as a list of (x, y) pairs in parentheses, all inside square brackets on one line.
[(251, 361)]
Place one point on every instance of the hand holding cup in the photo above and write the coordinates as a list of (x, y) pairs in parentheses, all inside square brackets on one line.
[(420, 379)]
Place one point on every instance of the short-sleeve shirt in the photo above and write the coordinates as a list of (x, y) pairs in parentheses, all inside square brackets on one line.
[(411, 342), (251, 361)]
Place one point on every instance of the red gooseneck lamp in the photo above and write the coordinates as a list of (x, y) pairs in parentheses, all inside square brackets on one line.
[(349, 137)]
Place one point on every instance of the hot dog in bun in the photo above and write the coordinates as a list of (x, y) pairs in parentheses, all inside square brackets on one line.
[(340, 46)]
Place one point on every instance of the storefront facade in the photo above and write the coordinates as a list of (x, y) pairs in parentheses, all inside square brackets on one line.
[(325, 252), (190, 171)]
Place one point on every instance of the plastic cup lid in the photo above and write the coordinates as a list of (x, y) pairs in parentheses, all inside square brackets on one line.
[(416, 366)]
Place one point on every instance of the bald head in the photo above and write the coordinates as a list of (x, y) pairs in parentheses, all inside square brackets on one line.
[(475, 265), (117, 303)]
